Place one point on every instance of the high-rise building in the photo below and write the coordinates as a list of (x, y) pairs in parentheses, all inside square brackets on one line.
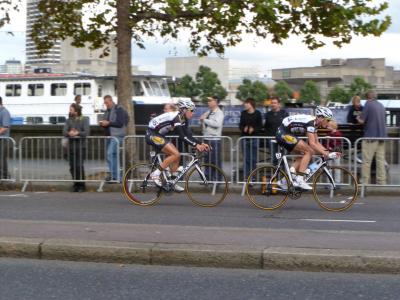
[(32, 55)]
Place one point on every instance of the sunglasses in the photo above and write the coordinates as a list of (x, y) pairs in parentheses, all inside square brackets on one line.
[(191, 110)]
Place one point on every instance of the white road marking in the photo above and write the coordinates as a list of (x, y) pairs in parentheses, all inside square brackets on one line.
[(334, 220), (15, 195), (41, 192)]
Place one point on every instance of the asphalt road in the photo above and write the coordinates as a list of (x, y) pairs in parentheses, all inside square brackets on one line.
[(39, 279), (373, 213)]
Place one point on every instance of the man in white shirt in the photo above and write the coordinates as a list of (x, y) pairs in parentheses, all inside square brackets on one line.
[(212, 122)]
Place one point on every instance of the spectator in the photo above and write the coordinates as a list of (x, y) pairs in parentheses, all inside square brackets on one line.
[(78, 100), (212, 122), (355, 110), (76, 129), (5, 124), (114, 122), (374, 119), (250, 125), (273, 119)]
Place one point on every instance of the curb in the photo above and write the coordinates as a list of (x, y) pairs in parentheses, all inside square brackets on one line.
[(217, 256)]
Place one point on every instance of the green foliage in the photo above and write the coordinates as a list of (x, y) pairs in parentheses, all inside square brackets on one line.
[(310, 93), (213, 25), (208, 84), (6, 7), (283, 91), (359, 87), (185, 87), (339, 94), (256, 90)]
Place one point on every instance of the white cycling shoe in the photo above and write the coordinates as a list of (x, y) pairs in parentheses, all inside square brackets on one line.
[(300, 183), (178, 188), (156, 178)]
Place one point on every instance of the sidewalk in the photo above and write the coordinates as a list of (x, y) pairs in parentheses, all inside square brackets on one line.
[(227, 247)]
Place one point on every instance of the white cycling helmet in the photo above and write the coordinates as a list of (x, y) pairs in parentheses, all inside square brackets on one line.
[(324, 112), (186, 103)]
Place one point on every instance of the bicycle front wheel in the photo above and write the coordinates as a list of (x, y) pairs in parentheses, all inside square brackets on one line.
[(267, 188), (138, 187), (335, 188), (206, 185)]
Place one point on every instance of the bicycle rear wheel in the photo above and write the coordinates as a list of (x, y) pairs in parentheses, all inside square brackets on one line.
[(138, 187), (340, 197), (267, 188), (206, 185)]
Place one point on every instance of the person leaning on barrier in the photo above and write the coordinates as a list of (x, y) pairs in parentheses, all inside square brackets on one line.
[(374, 119), (76, 129), (212, 122), (5, 125), (115, 121)]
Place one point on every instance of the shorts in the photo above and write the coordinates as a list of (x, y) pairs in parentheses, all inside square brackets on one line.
[(286, 140), (157, 140)]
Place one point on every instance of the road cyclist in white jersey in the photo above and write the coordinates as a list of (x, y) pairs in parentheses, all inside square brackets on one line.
[(295, 126), (162, 125)]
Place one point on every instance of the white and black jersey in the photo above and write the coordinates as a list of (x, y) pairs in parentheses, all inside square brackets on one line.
[(298, 125), (166, 122)]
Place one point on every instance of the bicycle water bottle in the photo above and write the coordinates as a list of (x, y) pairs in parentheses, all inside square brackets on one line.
[(313, 167)]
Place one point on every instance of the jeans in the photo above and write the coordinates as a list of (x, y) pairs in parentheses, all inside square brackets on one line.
[(250, 151), (77, 154), (3, 159), (112, 157), (213, 157)]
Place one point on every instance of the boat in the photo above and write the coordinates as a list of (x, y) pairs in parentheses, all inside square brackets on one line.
[(44, 98)]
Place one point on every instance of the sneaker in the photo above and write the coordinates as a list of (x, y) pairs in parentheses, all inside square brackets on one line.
[(282, 184), (300, 183), (156, 178), (178, 188)]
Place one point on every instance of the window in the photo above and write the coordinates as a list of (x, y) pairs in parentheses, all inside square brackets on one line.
[(137, 89), (156, 88), (164, 89), (13, 90), (35, 89), (99, 90), (82, 89), (58, 89), (148, 88)]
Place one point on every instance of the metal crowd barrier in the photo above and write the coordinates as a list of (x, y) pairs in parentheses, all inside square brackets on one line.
[(259, 150), (391, 164), (136, 150), (56, 159), (8, 159)]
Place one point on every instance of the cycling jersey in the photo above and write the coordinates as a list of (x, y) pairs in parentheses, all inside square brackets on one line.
[(298, 124), (163, 124)]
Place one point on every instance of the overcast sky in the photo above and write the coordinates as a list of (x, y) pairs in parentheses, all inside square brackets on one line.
[(261, 54)]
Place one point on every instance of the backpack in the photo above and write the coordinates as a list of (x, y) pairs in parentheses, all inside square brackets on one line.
[(125, 115)]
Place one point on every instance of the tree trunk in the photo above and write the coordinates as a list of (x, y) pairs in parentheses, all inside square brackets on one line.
[(124, 70)]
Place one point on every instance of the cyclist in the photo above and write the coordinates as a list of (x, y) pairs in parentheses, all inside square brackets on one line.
[(160, 126), (304, 125)]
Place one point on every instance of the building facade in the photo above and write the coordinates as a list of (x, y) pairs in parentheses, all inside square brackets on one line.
[(342, 72)]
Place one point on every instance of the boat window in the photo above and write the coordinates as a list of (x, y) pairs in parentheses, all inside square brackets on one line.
[(164, 89), (13, 90), (82, 88), (99, 90), (137, 89), (156, 88), (35, 89), (148, 88), (58, 89)]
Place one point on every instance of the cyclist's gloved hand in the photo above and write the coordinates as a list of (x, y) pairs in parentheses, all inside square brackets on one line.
[(334, 155)]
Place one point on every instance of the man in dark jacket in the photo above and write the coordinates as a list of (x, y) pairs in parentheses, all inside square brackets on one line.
[(273, 119)]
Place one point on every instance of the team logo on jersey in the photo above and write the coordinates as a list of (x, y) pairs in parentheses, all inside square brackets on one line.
[(157, 140), (290, 139)]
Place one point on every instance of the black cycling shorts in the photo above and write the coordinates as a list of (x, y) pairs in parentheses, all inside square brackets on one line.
[(156, 140), (286, 140)]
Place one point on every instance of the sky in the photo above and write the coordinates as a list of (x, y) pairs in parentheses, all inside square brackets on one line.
[(260, 55)]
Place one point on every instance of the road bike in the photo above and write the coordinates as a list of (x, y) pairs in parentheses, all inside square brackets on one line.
[(334, 188), (205, 184)]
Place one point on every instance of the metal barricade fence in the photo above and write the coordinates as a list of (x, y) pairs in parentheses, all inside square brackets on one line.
[(59, 159), (254, 151), (391, 164), (136, 150), (8, 159)]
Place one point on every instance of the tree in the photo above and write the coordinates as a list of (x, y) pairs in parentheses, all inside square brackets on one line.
[(310, 93), (338, 94), (208, 84), (256, 90), (283, 91), (185, 87), (359, 87)]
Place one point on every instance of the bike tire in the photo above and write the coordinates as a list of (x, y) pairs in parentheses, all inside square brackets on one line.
[(208, 194), (340, 198), (137, 189), (261, 190)]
